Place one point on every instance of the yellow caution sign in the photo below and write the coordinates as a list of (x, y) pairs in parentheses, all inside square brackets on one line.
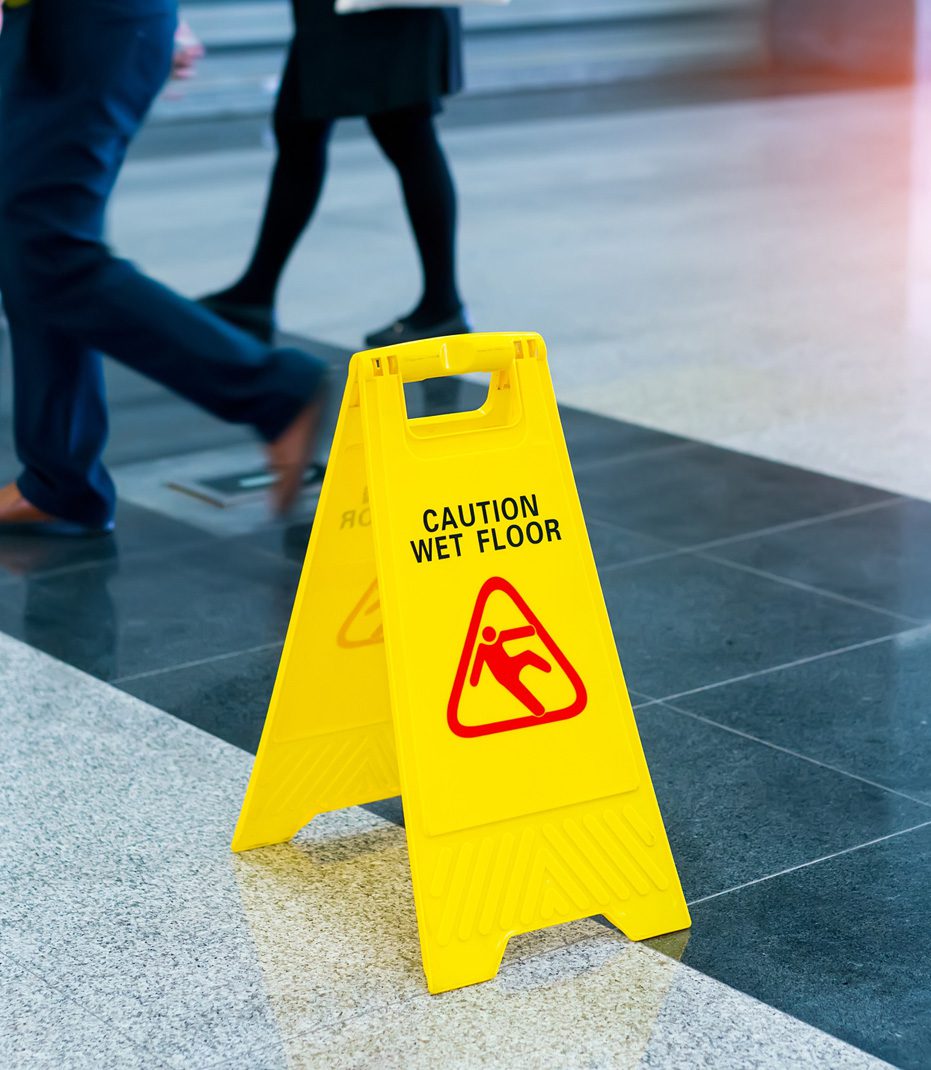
[(450, 641)]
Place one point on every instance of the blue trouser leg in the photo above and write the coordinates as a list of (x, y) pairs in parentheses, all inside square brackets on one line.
[(72, 103)]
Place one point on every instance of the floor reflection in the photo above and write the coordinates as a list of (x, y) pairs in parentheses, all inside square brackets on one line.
[(87, 634)]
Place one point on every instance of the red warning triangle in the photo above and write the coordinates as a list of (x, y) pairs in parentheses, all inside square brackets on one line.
[(503, 655), (363, 626)]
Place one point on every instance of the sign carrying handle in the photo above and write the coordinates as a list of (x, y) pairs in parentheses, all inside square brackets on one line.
[(497, 355), (458, 354)]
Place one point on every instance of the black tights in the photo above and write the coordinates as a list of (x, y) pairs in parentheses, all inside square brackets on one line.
[(408, 138)]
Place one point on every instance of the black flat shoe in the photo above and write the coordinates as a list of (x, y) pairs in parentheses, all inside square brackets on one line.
[(257, 320), (404, 331)]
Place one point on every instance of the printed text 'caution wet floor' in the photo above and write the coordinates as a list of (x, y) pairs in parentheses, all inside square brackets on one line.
[(480, 527)]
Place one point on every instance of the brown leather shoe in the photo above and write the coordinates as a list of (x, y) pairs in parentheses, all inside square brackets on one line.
[(290, 453), (19, 517)]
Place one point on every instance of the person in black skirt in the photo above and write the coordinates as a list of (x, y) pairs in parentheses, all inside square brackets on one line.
[(392, 66)]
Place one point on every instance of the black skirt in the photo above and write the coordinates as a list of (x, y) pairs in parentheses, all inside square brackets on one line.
[(371, 62)]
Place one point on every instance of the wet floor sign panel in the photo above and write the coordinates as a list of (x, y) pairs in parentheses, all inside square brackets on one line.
[(449, 641)]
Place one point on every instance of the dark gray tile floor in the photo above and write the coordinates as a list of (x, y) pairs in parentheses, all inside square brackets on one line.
[(779, 613), (139, 532), (736, 811), (877, 555), (226, 696), (123, 618), (703, 494), (685, 622), (843, 943), (866, 712)]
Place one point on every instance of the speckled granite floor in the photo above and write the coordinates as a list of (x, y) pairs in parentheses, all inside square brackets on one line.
[(130, 936)]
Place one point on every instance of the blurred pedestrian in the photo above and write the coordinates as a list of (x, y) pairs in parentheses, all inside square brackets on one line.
[(392, 67), (78, 80)]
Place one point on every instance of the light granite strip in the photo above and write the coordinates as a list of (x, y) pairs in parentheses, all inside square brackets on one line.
[(40, 1027), (591, 1004), (119, 889)]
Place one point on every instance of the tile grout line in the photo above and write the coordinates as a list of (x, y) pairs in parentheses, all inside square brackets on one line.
[(63, 994), (633, 531), (634, 455), (699, 548), (131, 557), (279, 557), (792, 525), (808, 865), (765, 672), (118, 558), (120, 680), (660, 555), (798, 585), (793, 753)]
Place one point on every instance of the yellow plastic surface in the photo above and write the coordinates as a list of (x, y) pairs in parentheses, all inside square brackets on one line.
[(449, 568)]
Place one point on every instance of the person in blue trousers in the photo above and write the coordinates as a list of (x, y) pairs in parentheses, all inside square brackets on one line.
[(78, 78)]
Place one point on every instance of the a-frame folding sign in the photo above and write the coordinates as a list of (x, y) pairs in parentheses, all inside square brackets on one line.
[(450, 641)]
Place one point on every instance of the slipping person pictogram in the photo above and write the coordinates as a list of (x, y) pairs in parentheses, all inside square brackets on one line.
[(486, 647), (506, 667)]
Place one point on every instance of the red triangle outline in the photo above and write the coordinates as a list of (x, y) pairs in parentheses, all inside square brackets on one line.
[(496, 583)]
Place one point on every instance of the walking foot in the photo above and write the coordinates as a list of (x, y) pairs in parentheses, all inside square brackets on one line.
[(407, 330), (19, 517), (290, 453)]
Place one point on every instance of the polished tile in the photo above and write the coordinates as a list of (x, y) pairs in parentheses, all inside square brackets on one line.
[(120, 890), (866, 711), (455, 395), (288, 541), (39, 1026), (880, 556), (593, 439), (684, 622), (167, 427), (138, 531), (696, 495), (227, 696), (390, 809), (737, 811), (612, 545), (844, 945), (153, 484), (154, 612)]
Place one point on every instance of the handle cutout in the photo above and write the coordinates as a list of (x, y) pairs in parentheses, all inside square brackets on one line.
[(446, 396)]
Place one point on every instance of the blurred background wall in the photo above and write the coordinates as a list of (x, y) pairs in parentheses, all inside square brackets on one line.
[(560, 44), (532, 44)]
